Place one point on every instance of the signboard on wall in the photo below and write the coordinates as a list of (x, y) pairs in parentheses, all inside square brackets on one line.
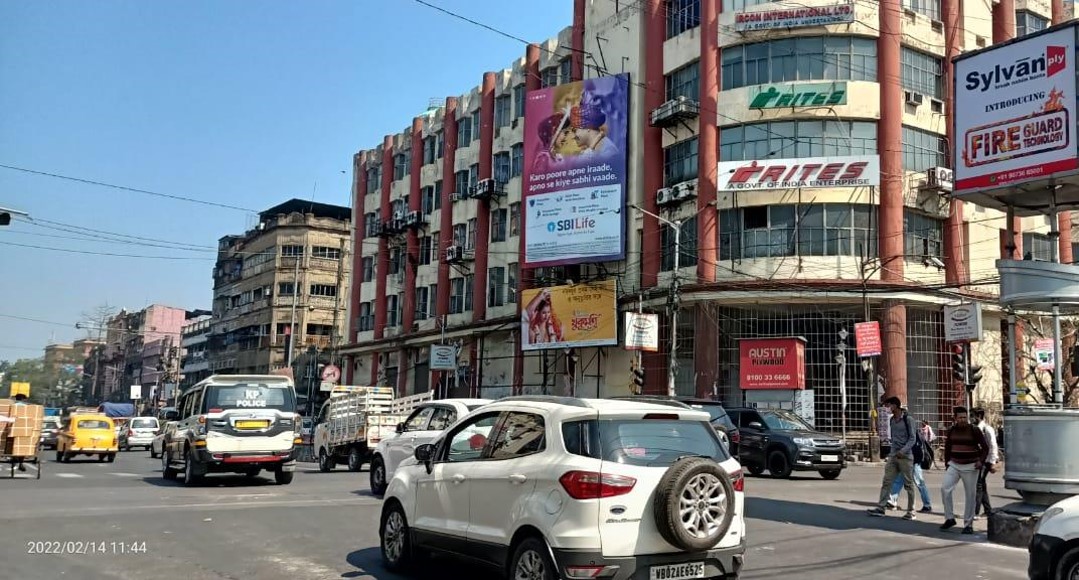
[(136, 392), (642, 331), (771, 363), (804, 172), (1043, 353), (1015, 113), (794, 17), (575, 148), (443, 357), (867, 339), (963, 323), (789, 95), (573, 316)]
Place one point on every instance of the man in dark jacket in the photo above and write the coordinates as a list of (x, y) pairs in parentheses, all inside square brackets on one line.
[(965, 452), (900, 460)]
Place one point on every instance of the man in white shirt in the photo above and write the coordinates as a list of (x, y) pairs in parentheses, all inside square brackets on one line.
[(982, 503)]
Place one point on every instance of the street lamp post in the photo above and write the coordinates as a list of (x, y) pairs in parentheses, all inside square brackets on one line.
[(676, 225)]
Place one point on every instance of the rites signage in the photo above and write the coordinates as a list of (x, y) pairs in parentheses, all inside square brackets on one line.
[(963, 323), (771, 363), (790, 95), (1015, 113), (807, 172), (867, 339), (794, 17)]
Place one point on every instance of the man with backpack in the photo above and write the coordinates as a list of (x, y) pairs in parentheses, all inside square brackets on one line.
[(900, 460), (922, 461)]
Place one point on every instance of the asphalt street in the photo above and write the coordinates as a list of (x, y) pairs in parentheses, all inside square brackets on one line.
[(131, 524)]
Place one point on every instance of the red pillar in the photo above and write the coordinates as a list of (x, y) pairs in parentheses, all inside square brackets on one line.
[(955, 268), (383, 258), (577, 40), (890, 148), (412, 247), (708, 144), (483, 216), (1064, 218), (652, 170), (1003, 31), (524, 275), (445, 231), (359, 190)]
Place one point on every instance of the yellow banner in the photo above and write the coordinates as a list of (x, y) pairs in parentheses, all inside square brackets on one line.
[(20, 389), (573, 316)]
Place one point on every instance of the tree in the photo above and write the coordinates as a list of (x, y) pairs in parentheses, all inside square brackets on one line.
[(1040, 382), (52, 387)]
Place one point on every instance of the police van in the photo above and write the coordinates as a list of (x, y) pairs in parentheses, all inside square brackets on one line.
[(234, 424)]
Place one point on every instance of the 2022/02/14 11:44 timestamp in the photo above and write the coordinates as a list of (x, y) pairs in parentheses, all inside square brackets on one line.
[(83, 547)]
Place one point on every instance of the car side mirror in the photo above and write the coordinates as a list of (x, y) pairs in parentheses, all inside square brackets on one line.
[(756, 425), (401, 429), (425, 454)]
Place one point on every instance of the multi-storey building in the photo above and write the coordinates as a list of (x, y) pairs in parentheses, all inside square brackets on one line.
[(135, 343), (75, 354), (284, 278), (194, 342), (734, 106)]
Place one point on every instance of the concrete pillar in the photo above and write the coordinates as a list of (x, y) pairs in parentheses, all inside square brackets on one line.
[(890, 148), (401, 388), (705, 350), (1065, 217), (524, 275), (359, 190), (412, 248), (383, 259), (708, 144), (955, 267), (1003, 31), (483, 210), (652, 172), (445, 231), (577, 40)]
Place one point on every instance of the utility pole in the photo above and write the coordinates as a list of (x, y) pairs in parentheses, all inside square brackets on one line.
[(295, 299), (841, 360), (675, 296)]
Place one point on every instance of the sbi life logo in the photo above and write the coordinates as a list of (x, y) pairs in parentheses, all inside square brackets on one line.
[(583, 223)]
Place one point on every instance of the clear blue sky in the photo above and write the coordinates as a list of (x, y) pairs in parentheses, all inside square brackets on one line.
[(244, 103)]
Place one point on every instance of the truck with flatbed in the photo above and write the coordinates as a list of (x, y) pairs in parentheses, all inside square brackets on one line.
[(354, 419)]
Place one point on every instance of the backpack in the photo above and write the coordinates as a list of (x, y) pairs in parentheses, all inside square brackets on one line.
[(922, 452)]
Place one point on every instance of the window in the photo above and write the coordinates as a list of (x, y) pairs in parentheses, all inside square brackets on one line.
[(929, 8), (521, 434), (469, 440), (427, 199), (511, 283), (517, 160), (502, 167), (565, 70), (432, 295), (503, 107), (922, 150), (442, 418), (684, 82), (784, 139), (291, 251), (328, 290), (457, 295), (439, 143), (923, 236), (470, 239), (680, 162), (319, 329), (425, 250), (1037, 247), (419, 418), (374, 179), (430, 147), (922, 73), (396, 261), (688, 241), (421, 303), (461, 182), (682, 15), (829, 229), (286, 288), (470, 285), (741, 5), (326, 252), (460, 235), (464, 131), (519, 101), (648, 442), (393, 308), (515, 219), (437, 194), (499, 223), (370, 225), (1027, 22), (473, 174), (366, 320), (401, 163), (496, 283), (833, 58), (549, 77)]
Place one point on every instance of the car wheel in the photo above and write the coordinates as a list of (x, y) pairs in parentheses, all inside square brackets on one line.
[(110, 457), (153, 452), (67, 457), (167, 471), (282, 477), (755, 469), (395, 538), (531, 561), (694, 504), (59, 456), (830, 473), (252, 473), (191, 475), (355, 459), (101, 458), (325, 463), (378, 476), (778, 465), (1068, 567)]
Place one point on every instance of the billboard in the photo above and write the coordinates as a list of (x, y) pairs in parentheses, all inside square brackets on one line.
[(771, 363), (575, 147), (808, 172), (1015, 110), (794, 17), (569, 316)]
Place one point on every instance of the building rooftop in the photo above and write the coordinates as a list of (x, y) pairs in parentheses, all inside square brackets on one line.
[(305, 207)]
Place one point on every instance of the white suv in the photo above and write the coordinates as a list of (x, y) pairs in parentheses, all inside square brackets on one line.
[(553, 487), (424, 425)]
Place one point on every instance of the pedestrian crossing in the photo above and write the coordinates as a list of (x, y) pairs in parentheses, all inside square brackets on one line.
[(30, 473)]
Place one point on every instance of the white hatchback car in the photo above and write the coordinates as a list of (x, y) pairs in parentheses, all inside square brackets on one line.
[(424, 425), (1054, 548), (572, 488)]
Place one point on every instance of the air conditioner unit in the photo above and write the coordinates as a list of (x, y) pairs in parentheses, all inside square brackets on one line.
[(458, 196), (414, 219), (455, 254), (513, 123), (936, 105), (398, 215), (675, 111), (912, 98), (684, 190), (940, 178), (664, 195), (484, 189)]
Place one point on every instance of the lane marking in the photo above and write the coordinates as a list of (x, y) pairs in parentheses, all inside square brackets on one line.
[(218, 505), (67, 475), (124, 474)]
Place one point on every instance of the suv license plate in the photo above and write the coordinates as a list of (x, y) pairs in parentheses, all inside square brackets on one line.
[(830, 458), (678, 571)]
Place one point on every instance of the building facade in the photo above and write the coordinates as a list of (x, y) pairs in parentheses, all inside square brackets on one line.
[(285, 278), (194, 342), (737, 112), (136, 343)]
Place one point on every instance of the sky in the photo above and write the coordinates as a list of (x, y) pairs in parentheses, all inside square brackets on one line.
[(245, 104)]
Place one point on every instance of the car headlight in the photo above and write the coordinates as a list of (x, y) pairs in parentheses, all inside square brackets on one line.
[(803, 442), (1048, 515)]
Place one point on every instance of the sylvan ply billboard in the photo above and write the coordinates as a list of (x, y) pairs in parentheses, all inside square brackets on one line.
[(1015, 112)]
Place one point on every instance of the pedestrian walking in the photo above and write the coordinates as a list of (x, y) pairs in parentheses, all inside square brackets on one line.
[(965, 451), (927, 433), (982, 502), (919, 482), (900, 459)]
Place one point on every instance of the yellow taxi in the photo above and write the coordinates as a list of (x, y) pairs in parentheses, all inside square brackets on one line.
[(87, 435)]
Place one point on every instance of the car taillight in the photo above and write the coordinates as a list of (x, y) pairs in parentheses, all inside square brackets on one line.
[(738, 480), (594, 485), (130, 433), (736, 437)]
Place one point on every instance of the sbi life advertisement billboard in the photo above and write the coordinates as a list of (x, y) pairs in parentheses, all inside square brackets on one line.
[(574, 188), (1015, 113)]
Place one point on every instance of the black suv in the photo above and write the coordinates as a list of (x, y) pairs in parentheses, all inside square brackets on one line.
[(781, 442)]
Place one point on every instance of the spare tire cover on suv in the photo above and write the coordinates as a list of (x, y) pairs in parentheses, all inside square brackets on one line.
[(702, 490)]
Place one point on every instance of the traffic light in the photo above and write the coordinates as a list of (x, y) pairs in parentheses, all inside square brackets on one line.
[(637, 375), (974, 377), (959, 365)]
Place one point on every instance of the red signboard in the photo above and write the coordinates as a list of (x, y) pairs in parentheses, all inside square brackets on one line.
[(772, 363), (867, 339)]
